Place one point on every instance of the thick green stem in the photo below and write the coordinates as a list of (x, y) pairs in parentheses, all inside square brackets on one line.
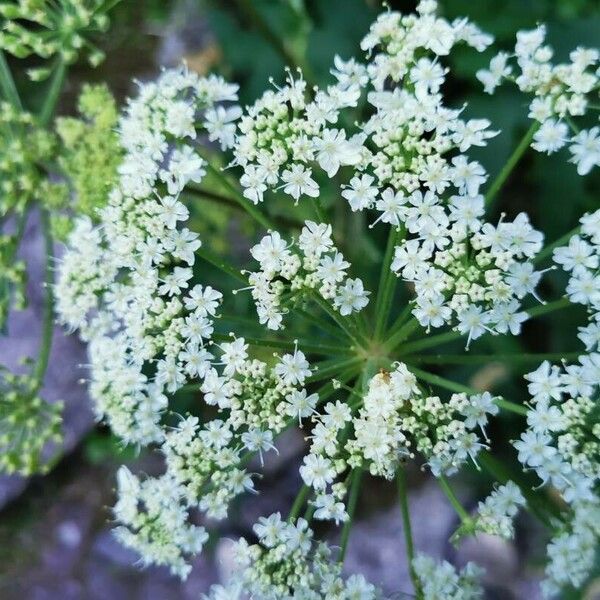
[(298, 503), (406, 525), (401, 335), (401, 320), (387, 282), (459, 388), (43, 357), (41, 365), (7, 83), (475, 359), (510, 164), (430, 341), (352, 502), (53, 92), (454, 501)]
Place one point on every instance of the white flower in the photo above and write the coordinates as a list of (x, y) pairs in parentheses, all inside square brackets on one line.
[(293, 368), (351, 297), (317, 471), (585, 148), (297, 181), (498, 70), (219, 122), (428, 76), (315, 238), (360, 193), (334, 150), (550, 137)]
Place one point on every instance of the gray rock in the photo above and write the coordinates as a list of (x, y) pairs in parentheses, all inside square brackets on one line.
[(62, 381)]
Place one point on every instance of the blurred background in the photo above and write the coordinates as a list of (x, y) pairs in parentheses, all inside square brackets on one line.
[(55, 539)]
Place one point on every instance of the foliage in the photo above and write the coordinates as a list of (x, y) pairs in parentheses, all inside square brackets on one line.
[(368, 198)]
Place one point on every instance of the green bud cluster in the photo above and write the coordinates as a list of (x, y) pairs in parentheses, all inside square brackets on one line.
[(24, 148), (89, 153), (45, 29), (27, 424)]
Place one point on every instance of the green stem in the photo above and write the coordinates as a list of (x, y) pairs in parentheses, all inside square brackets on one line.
[(195, 191), (41, 365), (216, 261), (289, 345), (53, 92), (475, 359), (329, 389), (561, 241), (298, 503), (544, 309), (459, 388), (320, 210), (456, 504), (406, 525), (328, 368), (342, 323), (387, 282), (352, 502), (250, 208), (510, 164), (401, 320), (321, 324), (427, 342), (401, 335), (7, 84), (572, 124)]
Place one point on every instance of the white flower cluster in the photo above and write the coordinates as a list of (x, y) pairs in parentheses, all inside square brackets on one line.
[(204, 463), (561, 445), (283, 132), (394, 420), (128, 285), (559, 92), (397, 418), (441, 580), (125, 284), (155, 522), (286, 274), (572, 553), (496, 513), (284, 135), (288, 564), (411, 140), (471, 275), (581, 258)]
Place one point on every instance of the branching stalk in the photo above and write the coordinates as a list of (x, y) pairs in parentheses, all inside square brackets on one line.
[(387, 282), (406, 526), (510, 164), (352, 502)]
